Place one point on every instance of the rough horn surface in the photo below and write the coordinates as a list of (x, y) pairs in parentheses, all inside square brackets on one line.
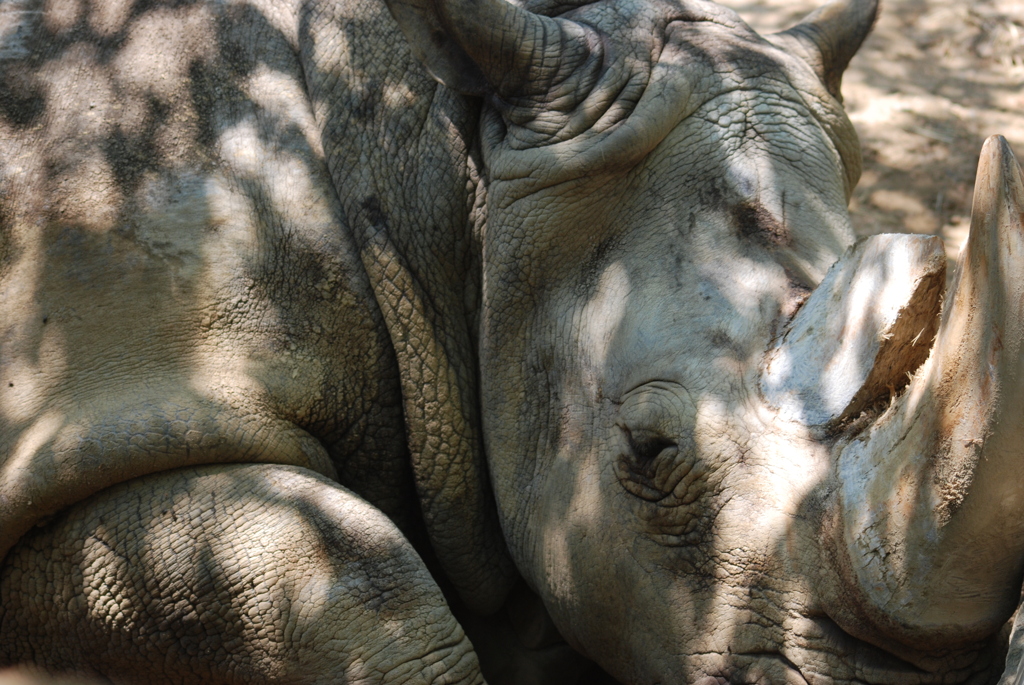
[(931, 518)]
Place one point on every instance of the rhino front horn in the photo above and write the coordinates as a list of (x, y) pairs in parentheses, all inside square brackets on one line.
[(927, 531)]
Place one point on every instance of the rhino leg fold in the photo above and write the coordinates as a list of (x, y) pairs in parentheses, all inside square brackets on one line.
[(228, 574)]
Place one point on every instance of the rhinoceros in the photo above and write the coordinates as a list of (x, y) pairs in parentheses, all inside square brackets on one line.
[(314, 311)]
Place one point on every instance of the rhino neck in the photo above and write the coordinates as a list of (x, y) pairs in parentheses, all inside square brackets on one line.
[(397, 145)]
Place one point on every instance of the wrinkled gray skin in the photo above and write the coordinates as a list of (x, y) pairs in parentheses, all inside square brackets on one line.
[(236, 233), (252, 250)]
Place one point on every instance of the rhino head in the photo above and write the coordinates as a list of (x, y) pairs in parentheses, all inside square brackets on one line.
[(727, 443)]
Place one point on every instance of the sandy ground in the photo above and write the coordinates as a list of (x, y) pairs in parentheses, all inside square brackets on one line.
[(932, 82)]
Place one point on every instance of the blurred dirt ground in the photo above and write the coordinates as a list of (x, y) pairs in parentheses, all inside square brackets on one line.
[(932, 82)]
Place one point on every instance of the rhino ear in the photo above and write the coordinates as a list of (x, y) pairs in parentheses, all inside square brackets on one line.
[(828, 38), (445, 60), (483, 47)]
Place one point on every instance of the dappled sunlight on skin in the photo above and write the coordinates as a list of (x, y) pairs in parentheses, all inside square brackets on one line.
[(602, 315), (149, 289), (924, 92), (224, 310), (19, 462), (760, 586), (808, 232), (16, 21), (184, 569), (90, 198), (188, 222), (709, 561), (281, 97), (226, 299), (689, 621), (32, 356), (162, 45), (266, 176), (740, 283)]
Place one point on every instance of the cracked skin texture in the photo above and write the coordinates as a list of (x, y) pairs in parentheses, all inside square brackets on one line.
[(237, 233), (259, 233), (192, 575)]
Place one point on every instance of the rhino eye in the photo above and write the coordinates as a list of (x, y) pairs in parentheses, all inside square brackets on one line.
[(645, 447), (647, 457), (655, 467)]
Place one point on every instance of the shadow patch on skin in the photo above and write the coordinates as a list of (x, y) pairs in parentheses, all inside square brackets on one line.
[(757, 223)]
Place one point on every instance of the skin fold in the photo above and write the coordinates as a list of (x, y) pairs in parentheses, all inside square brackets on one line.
[(184, 234), (215, 552)]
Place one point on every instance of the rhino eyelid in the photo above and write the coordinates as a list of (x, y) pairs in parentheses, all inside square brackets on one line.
[(655, 382)]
